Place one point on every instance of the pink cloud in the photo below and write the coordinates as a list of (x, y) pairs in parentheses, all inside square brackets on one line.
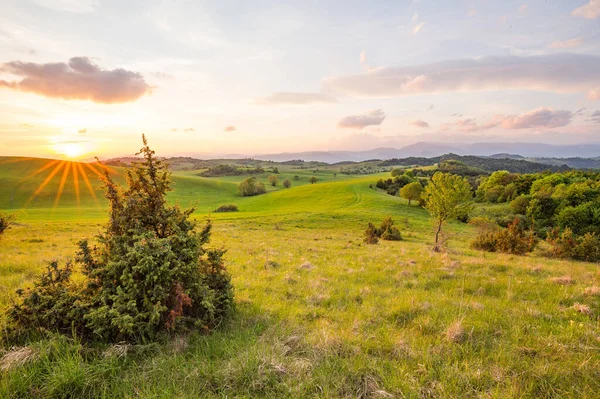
[(294, 99), (563, 73), (230, 128), (79, 79), (375, 117), (570, 43), (589, 11), (419, 123), (539, 118)]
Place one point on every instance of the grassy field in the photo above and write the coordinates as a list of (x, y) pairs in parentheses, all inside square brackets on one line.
[(319, 314)]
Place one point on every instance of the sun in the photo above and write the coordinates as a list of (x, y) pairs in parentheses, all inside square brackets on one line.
[(70, 150)]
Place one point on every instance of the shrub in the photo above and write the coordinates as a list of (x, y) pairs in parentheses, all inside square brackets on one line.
[(371, 235), (296, 177), (519, 205), (6, 221), (287, 183), (274, 179), (313, 180), (250, 187), (227, 208), (149, 274), (565, 245), (512, 240)]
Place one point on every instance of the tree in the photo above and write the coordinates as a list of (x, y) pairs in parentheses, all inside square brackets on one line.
[(148, 274), (6, 221), (296, 177), (251, 186), (287, 183), (446, 197), (273, 179), (313, 180), (412, 191)]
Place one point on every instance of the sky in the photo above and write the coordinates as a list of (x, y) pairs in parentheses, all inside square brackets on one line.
[(84, 78)]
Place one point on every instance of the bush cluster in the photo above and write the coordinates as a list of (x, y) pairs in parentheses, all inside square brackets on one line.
[(387, 231), (251, 186), (513, 239), (567, 245), (150, 273), (227, 208), (6, 221)]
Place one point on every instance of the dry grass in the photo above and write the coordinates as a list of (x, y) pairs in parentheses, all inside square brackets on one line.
[(455, 332), (17, 357), (563, 280), (592, 291), (582, 308)]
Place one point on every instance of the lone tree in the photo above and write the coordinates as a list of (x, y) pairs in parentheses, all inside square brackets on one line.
[(412, 191), (446, 197), (273, 179), (250, 187), (149, 273), (287, 183), (313, 180)]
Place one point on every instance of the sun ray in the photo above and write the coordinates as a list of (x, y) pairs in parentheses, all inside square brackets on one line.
[(86, 180), (76, 183), (61, 186), (41, 169), (45, 182)]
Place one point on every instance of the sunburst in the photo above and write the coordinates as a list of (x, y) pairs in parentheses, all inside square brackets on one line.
[(69, 173)]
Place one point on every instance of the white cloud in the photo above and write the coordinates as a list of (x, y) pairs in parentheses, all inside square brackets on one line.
[(375, 117), (561, 73), (589, 11)]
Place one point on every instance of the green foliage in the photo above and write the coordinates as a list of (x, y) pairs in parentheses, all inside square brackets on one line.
[(6, 220), (446, 197), (412, 191), (251, 186), (313, 180), (287, 183), (230, 170), (150, 273), (227, 208), (296, 177), (273, 180), (519, 205)]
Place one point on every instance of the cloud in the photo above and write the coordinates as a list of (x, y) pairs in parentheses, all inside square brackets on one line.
[(523, 9), (294, 98), (79, 79), (589, 11), (82, 131), (230, 128), (563, 73), (371, 118), (430, 107), (189, 129), (594, 94), (363, 57), (539, 118), (74, 6), (418, 27), (595, 117), (419, 123), (570, 43)]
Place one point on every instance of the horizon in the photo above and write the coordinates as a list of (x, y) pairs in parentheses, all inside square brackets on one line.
[(271, 78)]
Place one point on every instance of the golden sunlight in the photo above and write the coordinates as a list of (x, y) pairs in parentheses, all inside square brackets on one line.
[(70, 150)]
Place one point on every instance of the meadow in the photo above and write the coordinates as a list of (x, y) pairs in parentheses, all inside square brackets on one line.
[(319, 313)]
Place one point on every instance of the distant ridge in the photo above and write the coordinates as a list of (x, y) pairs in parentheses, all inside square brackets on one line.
[(516, 150)]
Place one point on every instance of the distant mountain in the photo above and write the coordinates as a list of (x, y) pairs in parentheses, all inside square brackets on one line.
[(506, 156), (428, 150)]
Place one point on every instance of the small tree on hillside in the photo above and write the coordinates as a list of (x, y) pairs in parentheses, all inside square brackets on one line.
[(251, 186), (149, 273), (287, 183), (313, 180), (446, 197), (412, 191), (273, 179)]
